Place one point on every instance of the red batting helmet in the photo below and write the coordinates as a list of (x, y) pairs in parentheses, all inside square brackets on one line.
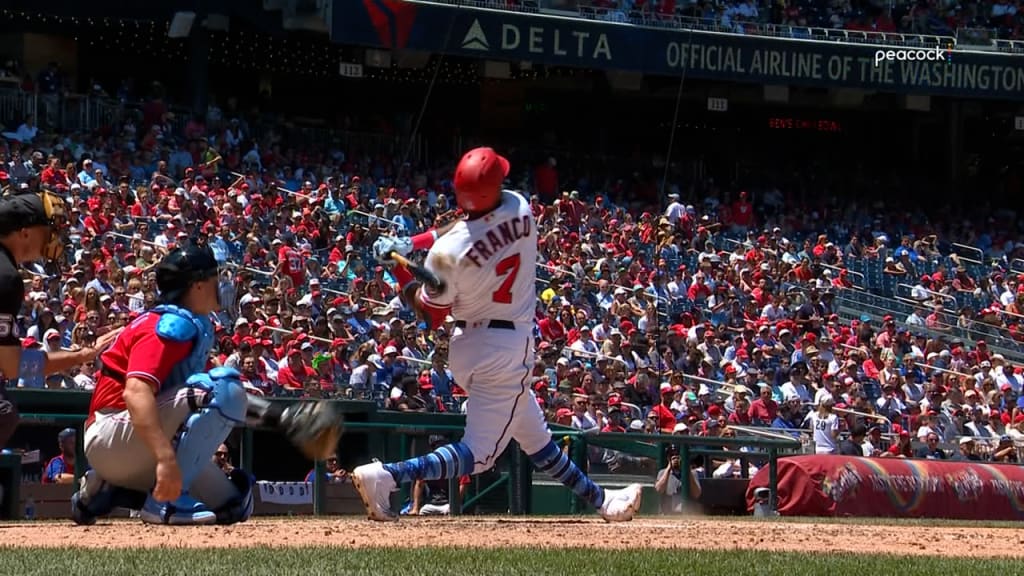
[(478, 179)]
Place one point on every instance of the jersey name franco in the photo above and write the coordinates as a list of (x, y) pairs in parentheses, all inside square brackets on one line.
[(498, 237), (489, 264)]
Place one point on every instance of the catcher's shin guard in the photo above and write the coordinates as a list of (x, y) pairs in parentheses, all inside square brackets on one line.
[(314, 427)]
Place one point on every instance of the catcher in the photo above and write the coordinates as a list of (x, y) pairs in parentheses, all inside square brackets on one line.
[(156, 417)]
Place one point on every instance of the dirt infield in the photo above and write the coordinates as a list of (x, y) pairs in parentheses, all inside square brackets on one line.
[(662, 532)]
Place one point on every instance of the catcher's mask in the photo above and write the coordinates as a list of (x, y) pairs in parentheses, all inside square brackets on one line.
[(56, 219), (31, 210)]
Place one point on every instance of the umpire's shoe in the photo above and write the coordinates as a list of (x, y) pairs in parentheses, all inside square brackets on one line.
[(375, 485), (185, 511)]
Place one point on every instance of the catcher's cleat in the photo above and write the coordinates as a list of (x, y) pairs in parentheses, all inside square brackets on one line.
[(314, 428)]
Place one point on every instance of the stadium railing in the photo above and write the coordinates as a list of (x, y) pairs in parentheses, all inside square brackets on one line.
[(654, 448)]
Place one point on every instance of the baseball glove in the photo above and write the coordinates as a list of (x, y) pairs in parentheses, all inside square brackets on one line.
[(314, 428)]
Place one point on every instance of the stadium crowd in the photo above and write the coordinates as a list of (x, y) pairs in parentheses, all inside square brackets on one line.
[(678, 316), (1002, 19)]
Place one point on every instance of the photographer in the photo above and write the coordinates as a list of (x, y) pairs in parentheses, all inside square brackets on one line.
[(670, 482)]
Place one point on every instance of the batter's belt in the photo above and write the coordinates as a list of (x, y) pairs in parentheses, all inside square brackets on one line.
[(494, 324)]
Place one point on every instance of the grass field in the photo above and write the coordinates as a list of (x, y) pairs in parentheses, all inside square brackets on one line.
[(477, 562)]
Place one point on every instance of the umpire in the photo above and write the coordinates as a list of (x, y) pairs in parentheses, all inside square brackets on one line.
[(31, 229)]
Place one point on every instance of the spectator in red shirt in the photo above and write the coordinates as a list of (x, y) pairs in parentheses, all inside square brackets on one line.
[(551, 328), (666, 419), (763, 410), (294, 375)]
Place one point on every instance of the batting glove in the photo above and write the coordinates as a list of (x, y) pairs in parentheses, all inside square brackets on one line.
[(385, 245)]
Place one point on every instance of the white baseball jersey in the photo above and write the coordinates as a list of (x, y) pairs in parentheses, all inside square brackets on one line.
[(489, 265)]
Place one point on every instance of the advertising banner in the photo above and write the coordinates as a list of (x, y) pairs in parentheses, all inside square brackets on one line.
[(815, 485), (565, 41)]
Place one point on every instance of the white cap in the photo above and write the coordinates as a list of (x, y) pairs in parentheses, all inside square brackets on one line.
[(636, 425), (390, 350), (791, 397), (241, 321), (680, 427), (51, 332), (376, 361)]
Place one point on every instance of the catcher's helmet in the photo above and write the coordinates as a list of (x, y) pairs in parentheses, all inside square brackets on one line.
[(183, 267), (478, 180)]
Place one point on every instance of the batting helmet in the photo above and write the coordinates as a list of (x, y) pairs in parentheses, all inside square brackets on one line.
[(182, 268), (478, 180)]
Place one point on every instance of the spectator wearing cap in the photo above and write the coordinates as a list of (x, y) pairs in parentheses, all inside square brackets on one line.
[(872, 445), (1016, 428), (61, 468), (1005, 452), (902, 448), (666, 420), (797, 385), (364, 374), (582, 416), (37, 380), (669, 483), (966, 447), (391, 368), (585, 343), (101, 283), (294, 375)]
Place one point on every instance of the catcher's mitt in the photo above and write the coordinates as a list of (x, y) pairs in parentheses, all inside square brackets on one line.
[(314, 428)]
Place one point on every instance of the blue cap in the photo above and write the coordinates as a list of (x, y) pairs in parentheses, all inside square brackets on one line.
[(66, 433)]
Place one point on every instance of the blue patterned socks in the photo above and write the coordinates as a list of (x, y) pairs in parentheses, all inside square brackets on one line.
[(556, 464), (448, 461)]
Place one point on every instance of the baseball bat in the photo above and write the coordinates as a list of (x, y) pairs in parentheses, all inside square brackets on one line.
[(421, 273)]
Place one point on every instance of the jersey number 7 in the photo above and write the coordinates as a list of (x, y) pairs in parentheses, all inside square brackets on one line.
[(509, 268)]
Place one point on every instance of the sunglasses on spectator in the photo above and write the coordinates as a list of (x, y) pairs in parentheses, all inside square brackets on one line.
[(221, 454)]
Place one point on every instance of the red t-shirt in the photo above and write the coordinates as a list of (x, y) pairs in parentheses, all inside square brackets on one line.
[(292, 265), (289, 380), (666, 419), (137, 353)]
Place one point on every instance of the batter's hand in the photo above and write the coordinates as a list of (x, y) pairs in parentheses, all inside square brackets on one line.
[(385, 245), (168, 481)]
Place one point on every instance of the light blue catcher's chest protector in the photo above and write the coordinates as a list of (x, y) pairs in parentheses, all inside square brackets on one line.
[(181, 325)]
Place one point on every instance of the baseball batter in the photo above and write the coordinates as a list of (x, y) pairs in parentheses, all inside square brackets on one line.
[(487, 264), (157, 416)]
